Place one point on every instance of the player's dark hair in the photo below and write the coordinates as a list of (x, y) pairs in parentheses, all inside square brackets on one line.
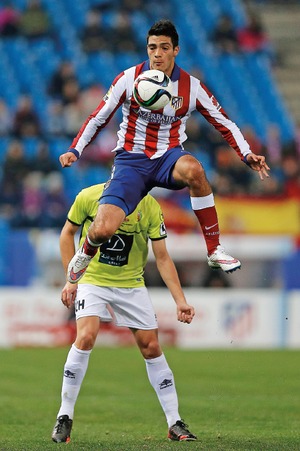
[(164, 27)]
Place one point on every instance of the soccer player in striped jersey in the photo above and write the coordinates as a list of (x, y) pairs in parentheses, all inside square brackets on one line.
[(115, 278), (150, 151)]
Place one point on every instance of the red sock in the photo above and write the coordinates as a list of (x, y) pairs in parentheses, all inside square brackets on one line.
[(208, 221), (89, 249)]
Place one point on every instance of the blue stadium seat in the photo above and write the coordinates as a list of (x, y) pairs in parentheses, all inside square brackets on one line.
[(245, 91), (235, 9), (30, 146)]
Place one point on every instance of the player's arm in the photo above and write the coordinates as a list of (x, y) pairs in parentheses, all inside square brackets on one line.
[(210, 108), (168, 272), (67, 250), (96, 121)]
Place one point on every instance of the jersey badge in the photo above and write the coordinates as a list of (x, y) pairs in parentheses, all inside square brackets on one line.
[(139, 215), (107, 95), (177, 102), (162, 230)]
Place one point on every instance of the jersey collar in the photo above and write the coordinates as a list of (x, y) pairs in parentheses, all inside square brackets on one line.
[(175, 74)]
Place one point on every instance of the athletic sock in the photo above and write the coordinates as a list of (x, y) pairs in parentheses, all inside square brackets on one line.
[(162, 380), (89, 247), (74, 372), (205, 210)]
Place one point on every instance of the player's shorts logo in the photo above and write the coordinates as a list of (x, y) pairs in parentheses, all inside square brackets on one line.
[(177, 102), (107, 184)]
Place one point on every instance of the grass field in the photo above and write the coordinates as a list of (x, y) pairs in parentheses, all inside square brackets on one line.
[(233, 400)]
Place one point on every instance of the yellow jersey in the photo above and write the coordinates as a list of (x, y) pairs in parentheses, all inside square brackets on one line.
[(120, 262)]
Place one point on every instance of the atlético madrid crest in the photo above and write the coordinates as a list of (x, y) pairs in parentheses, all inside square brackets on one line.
[(177, 102)]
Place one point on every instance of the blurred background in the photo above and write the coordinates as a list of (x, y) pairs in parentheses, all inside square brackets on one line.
[(57, 60)]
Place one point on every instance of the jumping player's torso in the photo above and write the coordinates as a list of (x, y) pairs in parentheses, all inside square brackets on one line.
[(155, 132)]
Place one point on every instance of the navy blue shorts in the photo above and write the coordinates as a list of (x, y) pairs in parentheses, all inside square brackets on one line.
[(134, 175)]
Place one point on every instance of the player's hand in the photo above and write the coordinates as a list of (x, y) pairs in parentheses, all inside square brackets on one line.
[(67, 159), (68, 294), (258, 163), (185, 313)]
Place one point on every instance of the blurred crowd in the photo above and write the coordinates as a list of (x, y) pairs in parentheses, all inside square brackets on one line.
[(32, 185)]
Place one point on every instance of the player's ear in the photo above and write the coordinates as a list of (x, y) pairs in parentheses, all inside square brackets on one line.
[(176, 50)]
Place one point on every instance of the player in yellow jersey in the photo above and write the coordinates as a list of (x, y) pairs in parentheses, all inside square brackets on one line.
[(114, 278)]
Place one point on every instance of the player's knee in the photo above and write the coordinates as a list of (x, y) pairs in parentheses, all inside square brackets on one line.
[(191, 172), (99, 233), (86, 341), (196, 174), (151, 350)]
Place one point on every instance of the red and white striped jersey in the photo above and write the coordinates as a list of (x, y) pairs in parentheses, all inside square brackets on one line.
[(155, 132)]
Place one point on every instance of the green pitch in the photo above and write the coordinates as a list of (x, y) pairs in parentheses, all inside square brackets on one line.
[(233, 400)]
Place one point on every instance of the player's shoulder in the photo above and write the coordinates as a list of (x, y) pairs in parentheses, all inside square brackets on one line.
[(150, 205), (91, 192), (134, 71), (185, 74)]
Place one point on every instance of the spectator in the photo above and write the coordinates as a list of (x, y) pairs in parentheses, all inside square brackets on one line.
[(56, 120), (253, 38), (94, 34), (9, 20), (70, 92), (9, 201), (89, 98), (43, 161), (123, 36), (77, 104), (14, 169), (5, 119), (25, 122), (32, 201), (291, 171), (64, 73), (273, 144), (72, 108), (225, 36), (72, 117), (230, 174), (55, 202), (34, 21), (15, 166)]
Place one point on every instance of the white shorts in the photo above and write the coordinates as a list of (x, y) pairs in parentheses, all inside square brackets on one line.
[(131, 307)]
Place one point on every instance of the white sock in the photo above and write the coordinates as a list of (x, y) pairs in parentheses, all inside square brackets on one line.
[(199, 203), (74, 372), (92, 242), (162, 380)]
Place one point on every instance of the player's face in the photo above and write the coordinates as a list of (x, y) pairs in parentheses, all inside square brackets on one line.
[(162, 53)]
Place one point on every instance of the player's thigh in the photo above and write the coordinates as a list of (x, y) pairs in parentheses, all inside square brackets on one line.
[(187, 169), (126, 188), (87, 331)]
